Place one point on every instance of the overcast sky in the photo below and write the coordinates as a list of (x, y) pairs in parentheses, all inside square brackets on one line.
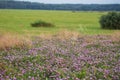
[(77, 1)]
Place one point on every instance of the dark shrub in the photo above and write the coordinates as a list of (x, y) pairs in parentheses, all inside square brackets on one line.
[(110, 21), (41, 24)]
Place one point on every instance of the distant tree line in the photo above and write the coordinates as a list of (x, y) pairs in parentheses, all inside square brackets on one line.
[(11, 4)]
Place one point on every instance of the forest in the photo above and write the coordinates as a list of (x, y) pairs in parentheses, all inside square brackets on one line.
[(12, 4)]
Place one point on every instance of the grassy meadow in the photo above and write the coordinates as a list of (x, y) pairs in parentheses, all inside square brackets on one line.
[(18, 21), (76, 48)]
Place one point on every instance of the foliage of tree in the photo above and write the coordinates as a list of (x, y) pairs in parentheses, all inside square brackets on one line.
[(110, 21)]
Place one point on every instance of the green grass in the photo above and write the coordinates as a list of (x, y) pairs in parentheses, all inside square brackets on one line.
[(18, 21)]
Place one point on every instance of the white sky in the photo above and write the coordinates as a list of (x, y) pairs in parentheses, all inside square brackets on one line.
[(77, 1)]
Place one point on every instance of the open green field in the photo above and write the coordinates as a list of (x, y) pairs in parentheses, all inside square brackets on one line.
[(18, 21), (68, 55)]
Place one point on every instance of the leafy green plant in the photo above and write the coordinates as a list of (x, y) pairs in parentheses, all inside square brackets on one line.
[(110, 21), (41, 24), (81, 74)]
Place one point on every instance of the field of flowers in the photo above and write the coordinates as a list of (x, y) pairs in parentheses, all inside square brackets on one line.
[(84, 58)]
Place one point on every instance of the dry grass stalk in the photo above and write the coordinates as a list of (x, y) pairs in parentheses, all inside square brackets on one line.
[(65, 34), (116, 36), (11, 41)]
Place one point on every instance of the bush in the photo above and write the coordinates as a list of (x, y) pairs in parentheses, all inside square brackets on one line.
[(41, 24), (110, 21)]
